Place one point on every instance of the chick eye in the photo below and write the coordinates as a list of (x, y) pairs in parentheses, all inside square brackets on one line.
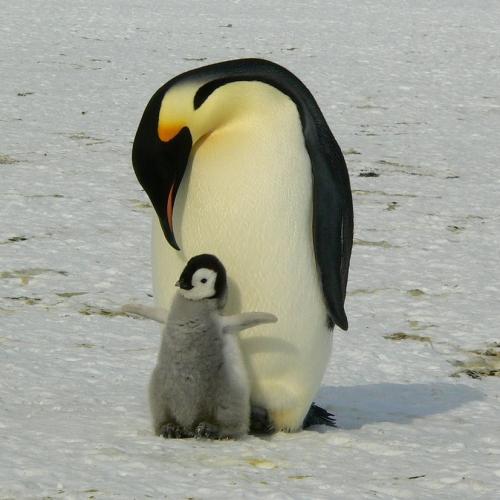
[(204, 280)]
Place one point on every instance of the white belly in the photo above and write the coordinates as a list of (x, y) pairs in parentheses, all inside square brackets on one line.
[(247, 198)]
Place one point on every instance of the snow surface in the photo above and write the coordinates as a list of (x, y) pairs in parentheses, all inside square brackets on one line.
[(411, 91)]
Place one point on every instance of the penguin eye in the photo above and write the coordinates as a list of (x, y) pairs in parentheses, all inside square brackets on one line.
[(204, 280)]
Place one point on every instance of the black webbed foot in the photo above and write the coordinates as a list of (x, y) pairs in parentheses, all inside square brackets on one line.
[(172, 431), (204, 430), (260, 423), (318, 416)]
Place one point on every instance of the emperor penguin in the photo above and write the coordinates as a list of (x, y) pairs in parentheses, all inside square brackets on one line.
[(237, 157), (199, 386)]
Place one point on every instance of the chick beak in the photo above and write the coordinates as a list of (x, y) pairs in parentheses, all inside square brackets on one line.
[(185, 285)]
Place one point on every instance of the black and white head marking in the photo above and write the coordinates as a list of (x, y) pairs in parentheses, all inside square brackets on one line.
[(204, 277)]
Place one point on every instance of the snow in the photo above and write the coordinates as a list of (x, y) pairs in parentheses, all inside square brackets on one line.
[(411, 91)]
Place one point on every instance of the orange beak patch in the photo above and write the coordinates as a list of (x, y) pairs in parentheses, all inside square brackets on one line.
[(167, 132)]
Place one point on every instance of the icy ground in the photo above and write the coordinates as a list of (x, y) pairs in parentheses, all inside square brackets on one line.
[(412, 93)]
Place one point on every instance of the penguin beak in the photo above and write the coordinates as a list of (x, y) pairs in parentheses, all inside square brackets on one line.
[(160, 157), (183, 284), (167, 131)]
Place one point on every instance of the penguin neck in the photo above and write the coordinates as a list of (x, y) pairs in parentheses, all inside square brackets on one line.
[(240, 103), (188, 306)]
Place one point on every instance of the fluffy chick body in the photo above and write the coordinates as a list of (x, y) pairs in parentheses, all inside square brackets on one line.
[(199, 385)]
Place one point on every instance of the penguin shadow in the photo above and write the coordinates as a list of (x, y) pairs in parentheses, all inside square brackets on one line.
[(361, 405), (233, 304)]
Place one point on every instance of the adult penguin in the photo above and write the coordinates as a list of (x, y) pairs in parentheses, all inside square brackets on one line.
[(243, 150)]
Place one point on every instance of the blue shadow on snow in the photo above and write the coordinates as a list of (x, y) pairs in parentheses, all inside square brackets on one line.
[(360, 405)]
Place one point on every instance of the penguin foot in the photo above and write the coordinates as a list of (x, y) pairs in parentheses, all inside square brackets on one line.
[(204, 430), (318, 416), (172, 431), (260, 422)]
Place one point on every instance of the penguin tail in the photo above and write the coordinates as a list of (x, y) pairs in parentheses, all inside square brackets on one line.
[(318, 416)]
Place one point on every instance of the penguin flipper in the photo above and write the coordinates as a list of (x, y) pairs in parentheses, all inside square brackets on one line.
[(238, 322), (155, 313), (333, 231), (318, 416)]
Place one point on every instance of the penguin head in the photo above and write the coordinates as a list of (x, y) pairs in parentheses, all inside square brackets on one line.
[(173, 123), (199, 108), (204, 277), (200, 105)]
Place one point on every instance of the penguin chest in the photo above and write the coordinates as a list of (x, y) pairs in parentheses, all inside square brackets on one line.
[(250, 195), (248, 199)]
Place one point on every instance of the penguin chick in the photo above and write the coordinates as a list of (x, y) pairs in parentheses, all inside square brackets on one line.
[(199, 386)]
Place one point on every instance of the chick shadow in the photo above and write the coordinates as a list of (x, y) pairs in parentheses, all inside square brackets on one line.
[(361, 405)]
